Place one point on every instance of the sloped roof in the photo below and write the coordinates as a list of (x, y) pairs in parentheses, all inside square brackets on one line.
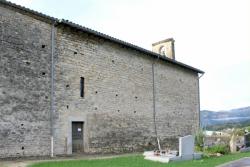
[(99, 34)]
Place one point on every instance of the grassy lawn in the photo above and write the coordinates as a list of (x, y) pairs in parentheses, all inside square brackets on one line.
[(138, 161)]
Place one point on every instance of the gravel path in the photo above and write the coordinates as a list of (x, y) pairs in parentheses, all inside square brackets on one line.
[(243, 162), (13, 163)]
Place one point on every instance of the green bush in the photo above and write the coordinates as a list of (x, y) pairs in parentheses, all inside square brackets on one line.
[(220, 148), (199, 140)]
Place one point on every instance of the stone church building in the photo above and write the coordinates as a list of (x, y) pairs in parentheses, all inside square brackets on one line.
[(65, 88)]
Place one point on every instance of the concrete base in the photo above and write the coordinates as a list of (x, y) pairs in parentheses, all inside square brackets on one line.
[(149, 155), (197, 155)]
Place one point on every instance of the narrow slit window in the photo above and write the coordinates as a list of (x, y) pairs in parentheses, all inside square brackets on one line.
[(82, 87)]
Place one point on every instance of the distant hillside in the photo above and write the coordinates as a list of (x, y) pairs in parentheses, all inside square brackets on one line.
[(237, 117)]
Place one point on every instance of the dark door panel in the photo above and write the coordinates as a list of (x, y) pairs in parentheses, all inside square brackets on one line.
[(77, 136)]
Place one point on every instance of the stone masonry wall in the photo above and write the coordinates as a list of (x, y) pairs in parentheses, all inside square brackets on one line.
[(117, 109), (177, 101), (24, 85)]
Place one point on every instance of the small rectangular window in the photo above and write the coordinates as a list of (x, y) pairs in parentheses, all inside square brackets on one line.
[(82, 87)]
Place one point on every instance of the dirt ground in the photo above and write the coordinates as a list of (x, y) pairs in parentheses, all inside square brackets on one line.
[(23, 162)]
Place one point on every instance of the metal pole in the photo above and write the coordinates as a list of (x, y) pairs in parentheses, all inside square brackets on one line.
[(154, 107), (200, 125), (52, 100)]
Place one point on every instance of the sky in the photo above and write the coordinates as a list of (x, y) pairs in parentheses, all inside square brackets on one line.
[(212, 35)]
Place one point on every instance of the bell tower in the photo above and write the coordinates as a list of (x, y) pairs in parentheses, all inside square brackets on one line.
[(165, 48)]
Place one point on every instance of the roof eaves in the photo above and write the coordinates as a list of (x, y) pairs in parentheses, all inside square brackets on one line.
[(28, 10)]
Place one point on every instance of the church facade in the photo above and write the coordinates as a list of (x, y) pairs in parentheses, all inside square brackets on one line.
[(65, 88)]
